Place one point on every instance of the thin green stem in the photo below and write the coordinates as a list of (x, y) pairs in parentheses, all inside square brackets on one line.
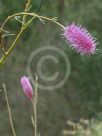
[(26, 10), (11, 48), (23, 28), (15, 41), (34, 102), (1, 44), (35, 112), (50, 19), (9, 111), (12, 16), (30, 14), (19, 34)]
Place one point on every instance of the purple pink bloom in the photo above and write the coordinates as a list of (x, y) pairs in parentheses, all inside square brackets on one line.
[(80, 39), (27, 88)]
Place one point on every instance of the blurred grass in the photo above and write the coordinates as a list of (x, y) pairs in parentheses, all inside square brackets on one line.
[(84, 128), (80, 97)]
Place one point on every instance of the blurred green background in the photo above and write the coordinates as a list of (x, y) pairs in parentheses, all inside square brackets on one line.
[(81, 96)]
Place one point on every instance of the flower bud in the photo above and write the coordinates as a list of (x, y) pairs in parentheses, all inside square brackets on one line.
[(27, 88)]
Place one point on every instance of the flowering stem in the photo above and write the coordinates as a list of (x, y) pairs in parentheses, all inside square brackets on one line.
[(24, 26), (30, 14), (34, 102), (50, 19)]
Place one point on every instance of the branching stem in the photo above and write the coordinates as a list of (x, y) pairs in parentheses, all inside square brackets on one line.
[(23, 27)]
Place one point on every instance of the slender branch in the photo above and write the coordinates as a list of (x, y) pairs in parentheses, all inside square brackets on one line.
[(34, 102), (26, 10), (9, 111), (11, 48), (50, 19), (1, 44), (30, 14), (15, 41), (12, 16), (23, 28)]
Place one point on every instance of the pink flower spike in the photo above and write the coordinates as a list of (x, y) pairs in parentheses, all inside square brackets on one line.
[(80, 39), (27, 88)]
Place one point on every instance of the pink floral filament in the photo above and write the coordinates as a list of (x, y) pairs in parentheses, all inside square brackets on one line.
[(80, 39)]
